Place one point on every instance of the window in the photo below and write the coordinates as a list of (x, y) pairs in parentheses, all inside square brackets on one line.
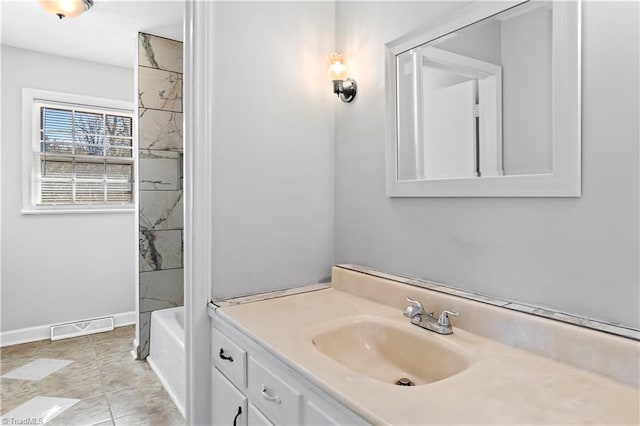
[(81, 153)]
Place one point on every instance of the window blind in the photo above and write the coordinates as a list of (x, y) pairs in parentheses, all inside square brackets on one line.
[(85, 156)]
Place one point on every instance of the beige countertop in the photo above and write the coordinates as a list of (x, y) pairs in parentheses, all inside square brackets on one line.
[(502, 385)]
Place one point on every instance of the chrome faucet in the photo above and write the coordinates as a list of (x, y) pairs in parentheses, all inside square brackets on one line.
[(423, 319)]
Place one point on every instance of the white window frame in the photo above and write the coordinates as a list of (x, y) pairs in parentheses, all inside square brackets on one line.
[(30, 145)]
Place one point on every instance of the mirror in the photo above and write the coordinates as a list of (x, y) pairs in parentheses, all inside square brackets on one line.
[(485, 102)]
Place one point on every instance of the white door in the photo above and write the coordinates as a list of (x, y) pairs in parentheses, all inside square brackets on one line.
[(450, 131)]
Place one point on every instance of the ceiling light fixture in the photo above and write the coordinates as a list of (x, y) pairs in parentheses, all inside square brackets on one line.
[(67, 8)]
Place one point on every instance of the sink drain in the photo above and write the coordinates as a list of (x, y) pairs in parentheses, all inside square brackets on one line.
[(404, 382)]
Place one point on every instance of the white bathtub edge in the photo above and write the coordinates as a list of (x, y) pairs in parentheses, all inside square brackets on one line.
[(166, 386)]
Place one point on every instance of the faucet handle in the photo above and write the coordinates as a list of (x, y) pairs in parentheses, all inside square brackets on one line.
[(415, 309), (443, 320), (415, 303)]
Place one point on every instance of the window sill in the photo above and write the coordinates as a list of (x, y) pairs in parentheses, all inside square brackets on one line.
[(85, 210)]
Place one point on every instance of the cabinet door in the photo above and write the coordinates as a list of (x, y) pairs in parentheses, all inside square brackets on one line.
[(228, 405), (256, 418)]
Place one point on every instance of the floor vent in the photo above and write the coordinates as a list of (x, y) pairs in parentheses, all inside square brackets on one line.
[(81, 328)]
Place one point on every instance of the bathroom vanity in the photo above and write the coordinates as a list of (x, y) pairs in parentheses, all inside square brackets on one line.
[(342, 355), (251, 385)]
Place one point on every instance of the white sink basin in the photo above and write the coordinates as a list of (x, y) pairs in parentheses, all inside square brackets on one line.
[(388, 351)]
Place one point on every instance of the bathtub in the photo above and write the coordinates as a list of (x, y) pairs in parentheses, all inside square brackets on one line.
[(167, 354)]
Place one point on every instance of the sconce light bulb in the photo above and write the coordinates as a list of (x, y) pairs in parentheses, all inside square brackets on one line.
[(67, 5), (337, 68)]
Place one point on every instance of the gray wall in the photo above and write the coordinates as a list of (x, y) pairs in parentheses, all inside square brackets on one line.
[(160, 180), (272, 145), (53, 267), (578, 255)]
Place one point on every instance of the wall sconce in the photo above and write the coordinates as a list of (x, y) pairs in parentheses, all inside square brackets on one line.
[(346, 88), (67, 8)]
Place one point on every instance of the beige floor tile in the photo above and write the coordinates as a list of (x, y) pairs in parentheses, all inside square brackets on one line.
[(77, 348), (135, 400), (10, 364), (81, 379), (137, 375), (87, 412), (120, 370), (71, 343), (24, 350), (106, 360), (127, 331), (108, 347), (107, 423), (166, 416), (14, 392), (104, 375)]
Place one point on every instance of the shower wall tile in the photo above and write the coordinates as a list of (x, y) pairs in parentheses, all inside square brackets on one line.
[(160, 146), (159, 52), (160, 210), (145, 331), (159, 170), (161, 289), (159, 89), (160, 130), (160, 250)]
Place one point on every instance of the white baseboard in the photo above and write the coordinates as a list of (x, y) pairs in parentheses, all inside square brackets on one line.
[(43, 332), (125, 318)]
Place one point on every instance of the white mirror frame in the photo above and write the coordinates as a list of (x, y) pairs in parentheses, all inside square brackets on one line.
[(565, 180)]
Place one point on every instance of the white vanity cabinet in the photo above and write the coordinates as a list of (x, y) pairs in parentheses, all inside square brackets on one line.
[(230, 405), (250, 386)]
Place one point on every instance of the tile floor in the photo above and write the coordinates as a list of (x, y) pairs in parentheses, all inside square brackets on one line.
[(100, 384)]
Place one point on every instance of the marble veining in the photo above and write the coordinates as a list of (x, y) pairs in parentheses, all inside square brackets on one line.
[(161, 289), (159, 170), (160, 250), (145, 331), (159, 89), (162, 130), (147, 55), (610, 328), (160, 53), (160, 210)]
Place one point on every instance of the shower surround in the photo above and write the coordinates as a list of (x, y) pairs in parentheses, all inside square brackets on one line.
[(160, 150)]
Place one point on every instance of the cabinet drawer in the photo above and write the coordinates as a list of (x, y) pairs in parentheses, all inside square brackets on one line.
[(228, 405), (230, 358), (277, 400), (256, 418), (319, 412)]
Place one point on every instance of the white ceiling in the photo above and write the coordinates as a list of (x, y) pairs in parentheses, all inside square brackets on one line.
[(106, 33)]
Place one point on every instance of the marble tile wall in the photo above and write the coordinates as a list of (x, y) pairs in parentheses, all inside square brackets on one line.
[(160, 151)]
